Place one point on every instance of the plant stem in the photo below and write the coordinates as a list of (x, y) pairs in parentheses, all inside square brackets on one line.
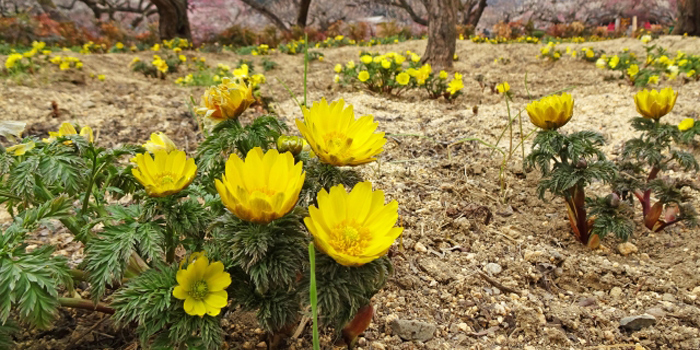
[(510, 126), (85, 305), (86, 199), (313, 296)]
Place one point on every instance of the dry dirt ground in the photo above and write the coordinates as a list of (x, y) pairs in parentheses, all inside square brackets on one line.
[(550, 292)]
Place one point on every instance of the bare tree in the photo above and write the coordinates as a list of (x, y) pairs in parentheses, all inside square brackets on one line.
[(688, 17), (173, 21), (470, 11), (442, 32), (142, 8)]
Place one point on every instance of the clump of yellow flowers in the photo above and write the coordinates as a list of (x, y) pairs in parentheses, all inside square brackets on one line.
[(395, 73)]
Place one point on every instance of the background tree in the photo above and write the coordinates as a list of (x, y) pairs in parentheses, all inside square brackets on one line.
[(173, 20), (688, 17), (442, 32)]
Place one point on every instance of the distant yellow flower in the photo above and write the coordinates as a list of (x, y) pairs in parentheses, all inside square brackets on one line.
[(165, 173), (22, 148), (227, 100), (202, 286), (119, 46), (455, 57), (350, 65), (155, 47), (336, 78), (690, 73), (182, 58), (551, 112), (64, 65), (67, 129), (614, 61), (262, 188), (159, 142), (415, 58), (399, 59), (363, 76), (12, 60), (646, 39), (590, 53), (242, 71), (353, 228), (366, 59), (684, 125), (655, 104), (338, 68), (455, 85), (443, 74), (386, 64), (403, 78), (503, 88), (633, 70), (101, 77), (654, 79), (601, 63), (337, 138)]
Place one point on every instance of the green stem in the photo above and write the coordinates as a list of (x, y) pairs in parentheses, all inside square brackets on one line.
[(85, 305), (10, 195), (86, 199), (171, 245), (510, 125), (313, 296)]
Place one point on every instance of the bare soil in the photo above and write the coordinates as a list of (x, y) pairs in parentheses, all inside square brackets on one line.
[(552, 292)]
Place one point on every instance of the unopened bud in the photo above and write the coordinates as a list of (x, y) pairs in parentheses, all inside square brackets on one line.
[(613, 200), (582, 164), (292, 144)]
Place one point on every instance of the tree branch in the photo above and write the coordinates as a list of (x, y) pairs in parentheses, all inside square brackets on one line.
[(265, 12)]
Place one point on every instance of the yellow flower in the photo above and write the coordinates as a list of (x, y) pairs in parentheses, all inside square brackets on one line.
[(654, 79), (202, 286), (337, 138), (227, 100), (366, 59), (353, 228), (101, 77), (614, 61), (119, 46), (455, 57), (503, 88), (646, 39), (673, 72), (363, 76), (67, 129), (336, 78), (399, 59), (590, 53), (386, 64), (262, 188), (690, 73), (177, 50), (551, 112), (338, 68), (241, 72), (64, 65), (601, 63), (159, 142), (455, 85), (12, 60), (182, 58), (684, 125), (415, 58), (403, 78), (22, 148), (155, 47), (165, 173), (350, 65), (79, 65), (633, 70), (655, 104)]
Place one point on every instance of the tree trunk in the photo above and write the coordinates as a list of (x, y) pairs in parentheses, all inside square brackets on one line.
[(688, 18), (173, 21), (442, 33), (475, 15), (303, 13)]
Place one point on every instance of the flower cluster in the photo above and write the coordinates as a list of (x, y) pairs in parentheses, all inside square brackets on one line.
[(262, 50), (66, 62), (394, 73)]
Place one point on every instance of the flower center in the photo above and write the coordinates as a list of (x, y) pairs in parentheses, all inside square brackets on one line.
[(165, 179), (349, 238), (337, 144), (199, 290)]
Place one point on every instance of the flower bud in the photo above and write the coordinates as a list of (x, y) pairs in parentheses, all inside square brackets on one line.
[(292, 144), (613, 200), (582, 164)]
